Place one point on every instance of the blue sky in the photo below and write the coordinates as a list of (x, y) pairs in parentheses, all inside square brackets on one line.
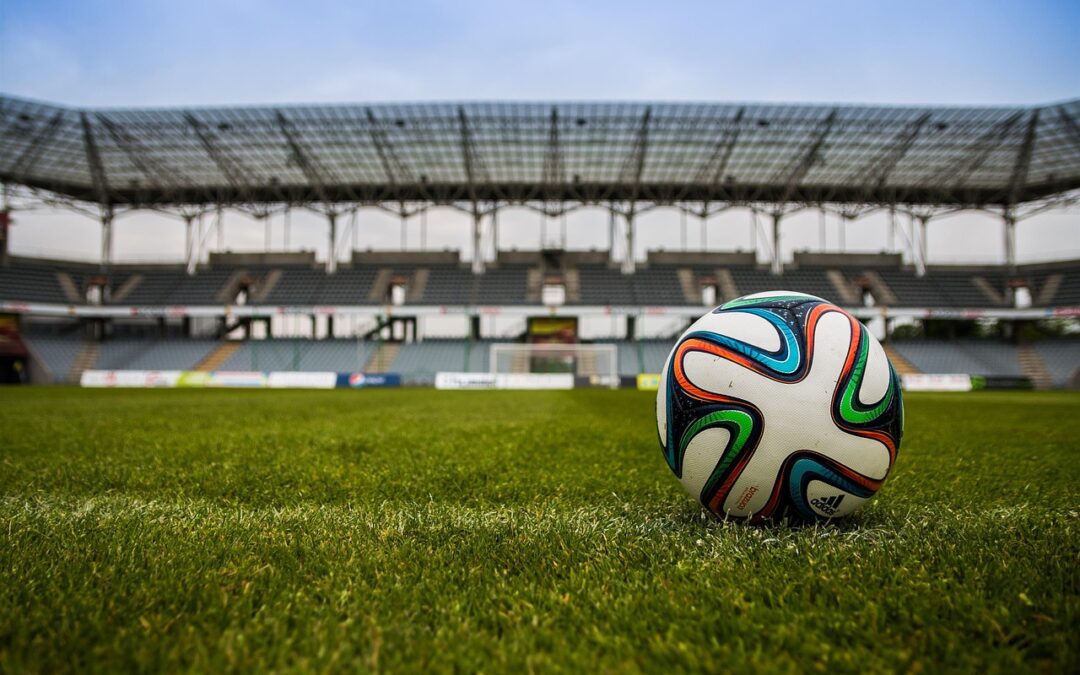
[(151, 52), (195, 52)]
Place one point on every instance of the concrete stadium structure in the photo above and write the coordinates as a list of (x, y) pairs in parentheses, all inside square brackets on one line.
[(482, 158)]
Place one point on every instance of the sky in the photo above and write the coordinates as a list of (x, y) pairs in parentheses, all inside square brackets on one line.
[(119, 53)]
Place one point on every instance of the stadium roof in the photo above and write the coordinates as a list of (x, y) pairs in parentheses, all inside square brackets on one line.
[(587, 152)]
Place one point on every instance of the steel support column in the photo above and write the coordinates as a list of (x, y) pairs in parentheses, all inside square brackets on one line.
[(1009, 221), (478, 255), (190, 244), (495, 233), (611, 235), (106, 237), (629, 262), (331, 258), (777, 262), (220, 221), (920, 241), (892, 229)]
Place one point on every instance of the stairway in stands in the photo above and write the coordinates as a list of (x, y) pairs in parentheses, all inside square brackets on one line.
[(383, 357), (1034, 368), (586, 364), (86, 359), (902, 365), (218, 357)]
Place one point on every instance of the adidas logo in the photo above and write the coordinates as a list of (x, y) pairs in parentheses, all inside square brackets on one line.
[(828, 505)]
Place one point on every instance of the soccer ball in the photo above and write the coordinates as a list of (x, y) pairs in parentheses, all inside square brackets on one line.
[(779, 405)]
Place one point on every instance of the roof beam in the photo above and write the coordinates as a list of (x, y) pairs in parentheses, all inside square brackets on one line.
[(309, 164), (713, 170), (1023, 160), (954, 175), (158, 174), (93, 160), (235, 173), (554, 170), (1070, 125), (469, 156), (391, 163), (801, 164), (878, 170), (634, 167), (26, 160)]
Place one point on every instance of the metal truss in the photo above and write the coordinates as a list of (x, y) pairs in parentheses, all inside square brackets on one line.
[(778, 155), (554, 158)]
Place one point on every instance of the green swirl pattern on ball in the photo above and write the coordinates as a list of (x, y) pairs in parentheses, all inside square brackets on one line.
[(736, 421), (848, 407)]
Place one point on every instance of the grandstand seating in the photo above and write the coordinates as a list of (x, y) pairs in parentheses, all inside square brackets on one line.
[(448, 285), (1062, 358), (296, 287), (418, 362), (340, 355), (171, 287), (600, 285), (29, 280), (642, 356), (1067, 291), (153, 354), (56, 352), (502, 286), (972, 357), (942, 288)]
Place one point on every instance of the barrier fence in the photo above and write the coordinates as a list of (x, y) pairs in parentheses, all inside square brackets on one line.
[(455, 380)]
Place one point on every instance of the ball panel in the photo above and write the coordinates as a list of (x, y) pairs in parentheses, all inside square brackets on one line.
[(876, 377), (747, 327), (702, 454), (662, 394)]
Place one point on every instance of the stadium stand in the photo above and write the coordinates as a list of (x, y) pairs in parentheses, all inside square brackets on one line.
[(503, 286), (973, 357), (344, 355), (28, 280), (600, 285), (32, 282), (1062, 359), (153, 354), (418, 362), (642, 356), (55, 353), (150, 286)]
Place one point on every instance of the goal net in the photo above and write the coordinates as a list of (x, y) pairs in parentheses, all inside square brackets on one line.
[(597, 363)]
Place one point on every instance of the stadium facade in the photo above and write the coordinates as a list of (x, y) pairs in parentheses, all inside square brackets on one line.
[(628, 158)]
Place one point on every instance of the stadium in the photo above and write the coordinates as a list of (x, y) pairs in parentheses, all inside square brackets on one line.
[(365, 312), (625, 396)]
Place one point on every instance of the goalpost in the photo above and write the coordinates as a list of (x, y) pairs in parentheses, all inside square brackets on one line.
[(598, 363)]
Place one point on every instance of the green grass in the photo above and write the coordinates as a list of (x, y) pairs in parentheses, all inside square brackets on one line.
[(483, 531)]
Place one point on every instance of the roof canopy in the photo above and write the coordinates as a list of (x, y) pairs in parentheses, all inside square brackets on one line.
[(585, 152)]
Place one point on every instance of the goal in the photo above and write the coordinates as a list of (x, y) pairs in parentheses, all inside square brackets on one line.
[(598, 363)]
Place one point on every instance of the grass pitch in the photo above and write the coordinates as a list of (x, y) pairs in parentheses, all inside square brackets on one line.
[(488, 531)]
